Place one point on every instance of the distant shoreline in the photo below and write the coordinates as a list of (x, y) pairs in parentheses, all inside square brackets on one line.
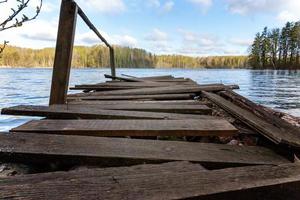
[(191, 68)]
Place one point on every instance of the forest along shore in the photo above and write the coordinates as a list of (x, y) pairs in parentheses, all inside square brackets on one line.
[(98, 57)]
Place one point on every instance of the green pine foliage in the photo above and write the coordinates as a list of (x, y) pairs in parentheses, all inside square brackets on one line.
[(276, 48)]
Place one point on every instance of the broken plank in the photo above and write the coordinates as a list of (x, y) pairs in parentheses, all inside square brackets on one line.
[(167, 108), (125, 79), (151, 77), (97, 149), (124, 183), (189, 127), (160, 90), (75, 112), (136, 97), (262, 126)]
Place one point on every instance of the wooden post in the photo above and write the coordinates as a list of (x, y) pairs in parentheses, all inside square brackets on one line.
[(63, 53), (112, 61)]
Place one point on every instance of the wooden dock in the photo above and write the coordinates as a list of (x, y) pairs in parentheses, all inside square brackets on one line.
[(143, 145), (158, 137)]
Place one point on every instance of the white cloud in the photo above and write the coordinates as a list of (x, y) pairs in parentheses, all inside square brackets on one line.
[(35, 34), (89, 38), (161, 6), (240, 42), (104, 6), (153, 3), (159, 41), (125, 40), (157, 35), (290, 12), (168, 6), (285, 10), (201, 40), (205, 44), (204, 5), (46, 31)]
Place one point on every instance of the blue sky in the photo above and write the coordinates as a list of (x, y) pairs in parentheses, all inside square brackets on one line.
[(189, 27)]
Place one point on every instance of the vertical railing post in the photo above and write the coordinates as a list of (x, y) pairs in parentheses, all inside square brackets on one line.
[(63, 52), (112, 61)]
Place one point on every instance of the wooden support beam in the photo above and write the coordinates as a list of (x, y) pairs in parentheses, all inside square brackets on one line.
[(189, 127), (148, 183), (39, 148), (63, 52), (112, 61)]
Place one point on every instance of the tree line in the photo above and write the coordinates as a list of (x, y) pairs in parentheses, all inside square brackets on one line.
[(98, 57), (276, 48)]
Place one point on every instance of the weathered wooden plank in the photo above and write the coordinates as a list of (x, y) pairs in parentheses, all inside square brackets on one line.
[(63, 54), (160, 90), (75, 112), (189, 127), (169, 167), (151, 77), (167, 108), (267, 129), (125, 79), (137, 97), (169, 102), (272, 116), (128, 84), (123, 183), (39, 147)]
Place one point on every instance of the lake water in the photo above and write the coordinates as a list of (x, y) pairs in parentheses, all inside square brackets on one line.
[(277, 89)]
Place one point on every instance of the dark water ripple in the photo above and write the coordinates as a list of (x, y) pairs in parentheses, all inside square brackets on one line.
[(277, 89)]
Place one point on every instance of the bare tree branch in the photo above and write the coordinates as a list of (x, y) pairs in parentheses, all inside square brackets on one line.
[(3, 46), (14, 16), (18, 21)]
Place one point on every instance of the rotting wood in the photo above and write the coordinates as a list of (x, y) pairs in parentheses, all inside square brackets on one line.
[(189, 127), (40, 147), (118, 183), (270, 115), (71, 112), (267, 129), (136, 97)]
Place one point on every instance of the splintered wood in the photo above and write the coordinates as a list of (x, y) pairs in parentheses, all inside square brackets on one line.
[(153, 110)]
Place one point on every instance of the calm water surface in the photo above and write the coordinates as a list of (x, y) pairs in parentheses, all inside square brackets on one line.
[(277, 89)]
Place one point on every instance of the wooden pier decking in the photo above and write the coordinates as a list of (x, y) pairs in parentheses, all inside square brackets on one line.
[(160, 163), (158, 137)]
